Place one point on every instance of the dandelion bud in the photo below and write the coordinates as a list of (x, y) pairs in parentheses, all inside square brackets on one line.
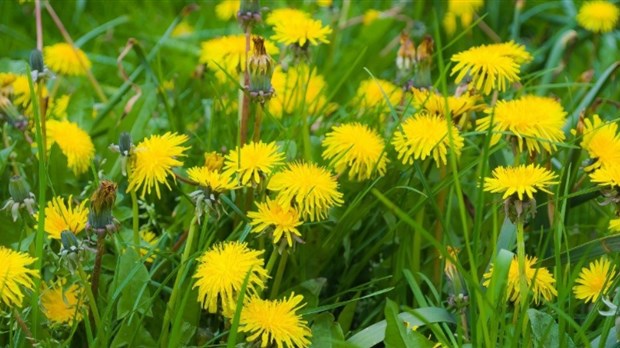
[(125, 148), (100, 217), (406, 53), (424, 55), (260, 67), (21, 197), (37, 67), (69, 243), (249, 13)]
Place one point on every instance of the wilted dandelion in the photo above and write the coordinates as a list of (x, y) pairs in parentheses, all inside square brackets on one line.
[(425, 136), (535, 122), (275, 322), (311, 189), (15, 276), (154, 159), (64, 217), (63, 306), (221, 271), (601, 141), (539, 281), (280, 221), (74, 143), (355, 147), (598, 16), (370, 95), (300, 31), (492, 67), (64, 59), (255, 162), (463, 10), (520, 180), (594, 280)]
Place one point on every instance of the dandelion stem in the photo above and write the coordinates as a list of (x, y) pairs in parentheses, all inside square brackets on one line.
[(92, 301), (135, 222), (278, 279), (272, 260), (258, 118), (97, 266), (521, 259), (179, 279), (245, 109)]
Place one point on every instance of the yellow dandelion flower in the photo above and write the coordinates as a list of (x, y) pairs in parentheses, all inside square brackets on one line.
[(355, 147), (598, 16), (74, 143), (300, 31), (324, 3), (182, 29), (14, 275), (424, 136), (492, 67), (290, 87), (464, 10), (214, 161), (285, 14), (57, 108), (6, 79), (280, 220), (601, 141), (370, 95), (214, 181), (275, 323), (534, 121), (370, 16), (608, 175), (227, 9), (434, 103), (594, 280), (21, 92), (149, 241), (228, 53), (523, 179), (614, 225), (63, 306), (221, 271), (153, 161), (539, 281), (62, 58), (61, 217), (311, 189), (254, 162)]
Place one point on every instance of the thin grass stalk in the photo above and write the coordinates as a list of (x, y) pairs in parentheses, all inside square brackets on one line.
[(279, 273), (178, 281), (523, 288), (92, 301), (24, 327)]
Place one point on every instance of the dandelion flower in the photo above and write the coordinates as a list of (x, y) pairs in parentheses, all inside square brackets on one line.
[(149, 241), (64, 59), (221, 271), (216, 182), (227, 9), (63, 306), (598, 16), (464, 10), (227, 53), (523, 179), (324, 3), (614, 225), (300, 31), (355, 147), (607, 176), (61, 217), (370, 16), (311, 189), (539, 280), (275, 322), (280, 220), (154, 159), (594, 280), (14, 275), (21, 92), (434, 103), (492, 67), (182, 29), (254, 162), (424, 136), (298, 87), (214, 161), (535, 121), (57, 108), (285, 14), (74, 143), (371, 94), (601, 141)]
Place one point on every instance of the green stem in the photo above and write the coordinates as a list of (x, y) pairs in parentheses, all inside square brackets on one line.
[(179, 280), (278, 279), (523, 288), (135, 221), (272, 260), (92, 302)]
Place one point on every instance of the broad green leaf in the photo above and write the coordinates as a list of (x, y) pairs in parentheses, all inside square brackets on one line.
[(326, 332), (132, 281), (399, 333), (545, 330)]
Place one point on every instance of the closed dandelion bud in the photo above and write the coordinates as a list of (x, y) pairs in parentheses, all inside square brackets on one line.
[(406, 53), (100, 219), (21, 197), (260, 67), (69, 243), (249, 13), (37, 67), (125, 147), (424, 55)]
